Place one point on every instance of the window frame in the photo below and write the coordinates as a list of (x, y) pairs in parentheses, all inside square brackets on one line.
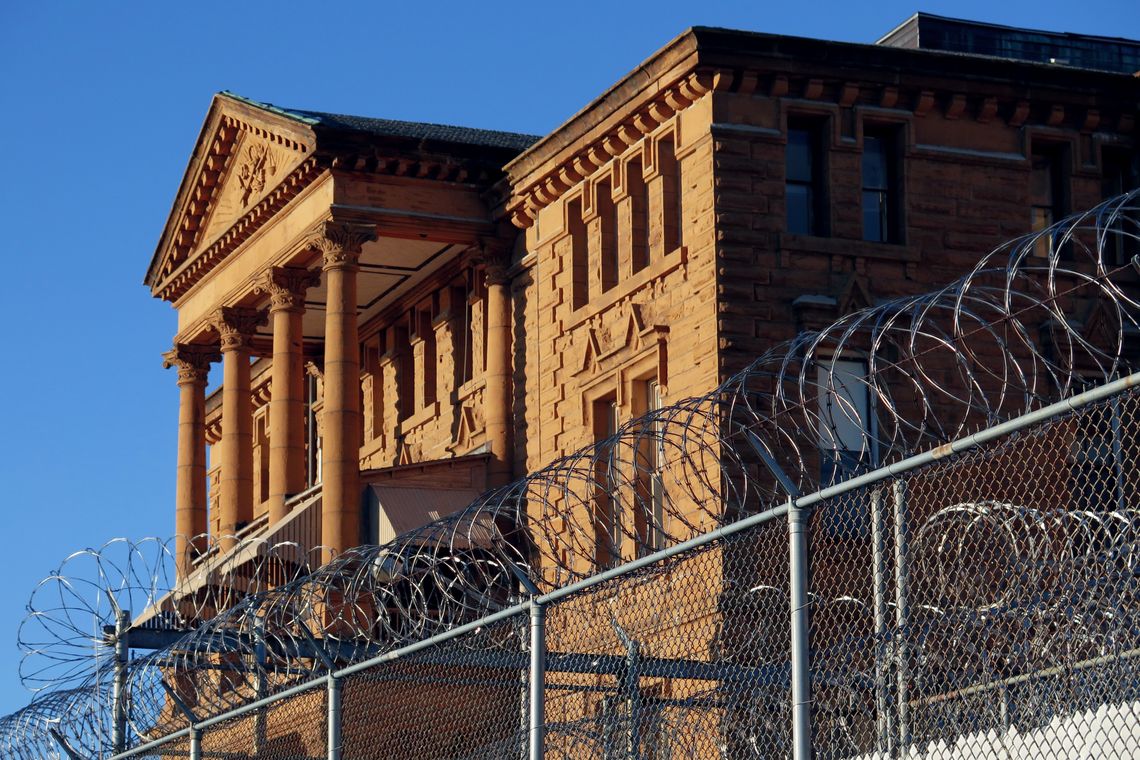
[(819, 203), (891, 229), (1058, 154)]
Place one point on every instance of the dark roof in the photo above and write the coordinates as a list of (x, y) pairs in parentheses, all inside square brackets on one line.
[(929, 32), (414, 130)]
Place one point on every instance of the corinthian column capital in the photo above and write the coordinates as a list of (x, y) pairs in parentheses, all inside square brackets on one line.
[(235, 326), (192, 361), (286, 287), (340, 243), (494, 257)]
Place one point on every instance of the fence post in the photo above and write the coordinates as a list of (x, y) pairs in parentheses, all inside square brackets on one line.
[(195, 743), (119, 685), (191, 718), (334, 688), (259, 650), (884, 720), (902, 611), (537, 680), (801, 664)]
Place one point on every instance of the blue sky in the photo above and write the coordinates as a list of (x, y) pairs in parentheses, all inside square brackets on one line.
[(104, 101)]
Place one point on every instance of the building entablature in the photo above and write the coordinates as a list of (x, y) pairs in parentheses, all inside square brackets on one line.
[(807, 73)]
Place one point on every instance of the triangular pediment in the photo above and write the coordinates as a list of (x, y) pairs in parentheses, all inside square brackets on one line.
[(245, 157), (855, 296)]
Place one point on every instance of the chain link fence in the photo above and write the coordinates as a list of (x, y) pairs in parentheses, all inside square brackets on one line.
[(979, 601), (770, 569)]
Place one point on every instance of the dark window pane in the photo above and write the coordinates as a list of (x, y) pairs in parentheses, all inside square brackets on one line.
[(874, 216), (875, 169), (799, 156), (1041, 181), (799, 202)]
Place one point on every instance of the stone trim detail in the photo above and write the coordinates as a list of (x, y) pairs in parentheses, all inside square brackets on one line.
[(340, 243), (286, 287), (192, 360), (666, 103), (235, 326)]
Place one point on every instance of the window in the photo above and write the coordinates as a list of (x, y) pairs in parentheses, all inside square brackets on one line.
[(881, 199), (638, 215), (579, 254), (607, 521), (672, 202), (405, 371), (312, 436), (804, 194), (461, 309), (607, 237), (1046, 193), (650, 497), (845, 436), (423, 350), (373, 388), (1119, 177)]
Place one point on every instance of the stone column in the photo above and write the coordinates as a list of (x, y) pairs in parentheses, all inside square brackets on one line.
[(340, 245), (497, 396), (235, 325), (193, 363), (286, 287)]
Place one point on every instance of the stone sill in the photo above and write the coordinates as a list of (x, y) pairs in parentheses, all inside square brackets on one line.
[(469, 389), (656, 270), (844, 247), (428, 413), (374, 446)]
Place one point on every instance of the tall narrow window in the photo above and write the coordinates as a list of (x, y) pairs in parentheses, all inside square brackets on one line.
[(372, 384), (607, 521), (881, 201), (804, 194), (1119, 177), (461, 308), (312, 433), (579, 254), (405, 371), (671, 200), (638, 215), (845, 444), (607, 237), (424, 355), (649, 456), (1046, 193)]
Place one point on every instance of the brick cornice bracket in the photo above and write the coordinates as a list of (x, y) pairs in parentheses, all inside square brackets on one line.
[(340, 243), (192, 360), (235, 326), (286, 287)]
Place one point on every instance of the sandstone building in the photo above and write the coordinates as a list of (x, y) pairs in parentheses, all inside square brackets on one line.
[(406, 314)]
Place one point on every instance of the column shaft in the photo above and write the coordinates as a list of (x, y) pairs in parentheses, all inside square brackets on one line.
[(340, 463), (236, 325), (190, 482), (287, 461), (236, 502), (497, 395), (341, 245), (286, 413)]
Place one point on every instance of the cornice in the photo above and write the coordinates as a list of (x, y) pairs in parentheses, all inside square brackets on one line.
[(839, 75)]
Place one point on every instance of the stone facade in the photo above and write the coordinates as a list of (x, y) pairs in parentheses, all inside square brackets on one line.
[(409, 293)]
